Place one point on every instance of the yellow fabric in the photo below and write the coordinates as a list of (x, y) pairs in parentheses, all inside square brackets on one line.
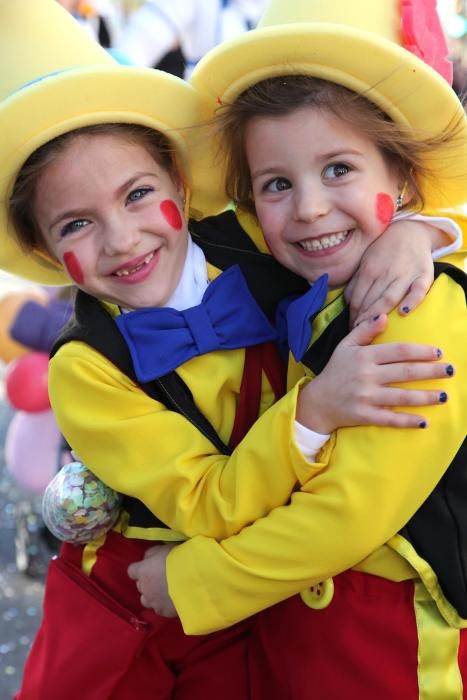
[(430, 580), (154, 534), (90, 553), (140, 448), (372, 482), (439, 677)]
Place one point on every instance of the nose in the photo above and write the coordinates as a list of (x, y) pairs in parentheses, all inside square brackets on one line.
[(120, 236), (311, 203)]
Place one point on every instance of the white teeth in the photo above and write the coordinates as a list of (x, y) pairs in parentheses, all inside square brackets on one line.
[(324, 242), (127, 271)]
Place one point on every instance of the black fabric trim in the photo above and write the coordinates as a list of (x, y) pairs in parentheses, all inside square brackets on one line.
[(454, 272), (225, 243), (438, 531), (318, 354)]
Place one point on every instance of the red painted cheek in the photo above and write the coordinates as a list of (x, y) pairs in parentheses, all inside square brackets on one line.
[(384, 208), (171, 214), (73, 267)]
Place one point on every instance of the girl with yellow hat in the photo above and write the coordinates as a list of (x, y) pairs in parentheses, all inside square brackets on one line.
[(337, 121)]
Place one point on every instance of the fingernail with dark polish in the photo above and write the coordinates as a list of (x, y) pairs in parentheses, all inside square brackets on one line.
[(443, 397), (375, 318), (439, 353), (406, 309), (450, 370), (422, 424)]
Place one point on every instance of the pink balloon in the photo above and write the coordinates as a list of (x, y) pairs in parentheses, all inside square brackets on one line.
[(26, 382), (32, 446)]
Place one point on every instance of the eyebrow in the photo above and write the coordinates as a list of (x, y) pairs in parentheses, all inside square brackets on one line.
[(340, 154), (75, 213)]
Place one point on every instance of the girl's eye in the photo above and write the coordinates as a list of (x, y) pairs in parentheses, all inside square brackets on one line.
[(279, 184), (73, 226), (138, 194), (336, 170)]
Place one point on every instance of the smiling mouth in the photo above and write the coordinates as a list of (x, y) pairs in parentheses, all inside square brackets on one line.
[(124, 272), (325, 242)]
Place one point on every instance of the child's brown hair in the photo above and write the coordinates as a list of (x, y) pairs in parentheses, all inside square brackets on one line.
[(274, 97)]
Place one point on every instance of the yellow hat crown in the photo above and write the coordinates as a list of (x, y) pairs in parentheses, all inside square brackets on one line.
[(411, 24), (40, 39)]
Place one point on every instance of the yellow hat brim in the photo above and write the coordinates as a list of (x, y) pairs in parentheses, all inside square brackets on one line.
[(80, 97), (402, 85)]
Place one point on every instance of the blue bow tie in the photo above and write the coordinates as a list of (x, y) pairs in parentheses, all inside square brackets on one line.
[(295, 316), (162, 339)]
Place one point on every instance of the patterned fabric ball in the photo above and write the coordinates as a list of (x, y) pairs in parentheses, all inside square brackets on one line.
[(77, 507)]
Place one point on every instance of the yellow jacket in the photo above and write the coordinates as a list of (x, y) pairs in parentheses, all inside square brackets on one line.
[(367, 485)]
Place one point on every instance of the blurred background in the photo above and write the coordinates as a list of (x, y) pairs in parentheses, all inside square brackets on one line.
[(171, 35)]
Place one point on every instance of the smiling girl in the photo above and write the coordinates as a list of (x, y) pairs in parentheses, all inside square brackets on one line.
[(330, 126)]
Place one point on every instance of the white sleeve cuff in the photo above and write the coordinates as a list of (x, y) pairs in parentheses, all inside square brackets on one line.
[(445, 224), (309, 442)]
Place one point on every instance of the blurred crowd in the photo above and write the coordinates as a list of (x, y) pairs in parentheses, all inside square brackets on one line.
[(173, 35), (169, 35)]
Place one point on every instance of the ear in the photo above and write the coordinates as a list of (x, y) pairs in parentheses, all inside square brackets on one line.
[(179, 184)]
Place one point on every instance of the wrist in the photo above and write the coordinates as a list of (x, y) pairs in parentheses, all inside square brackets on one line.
[(311, 411)]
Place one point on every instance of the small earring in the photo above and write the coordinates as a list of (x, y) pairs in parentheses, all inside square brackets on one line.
[(186, 204), (401, 195)]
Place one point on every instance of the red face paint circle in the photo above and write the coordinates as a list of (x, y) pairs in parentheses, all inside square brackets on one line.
[(73, 267), (171, 214), (384, 208)]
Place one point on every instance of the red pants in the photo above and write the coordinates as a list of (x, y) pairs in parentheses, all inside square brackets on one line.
[(96, 642), (364, 646)]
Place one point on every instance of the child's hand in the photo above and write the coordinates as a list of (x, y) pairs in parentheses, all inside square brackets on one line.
[(353, 387), (151, 580), (397, 269)]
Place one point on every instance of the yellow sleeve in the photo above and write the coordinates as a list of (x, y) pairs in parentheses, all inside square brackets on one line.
[(375, 479), (140, 448)]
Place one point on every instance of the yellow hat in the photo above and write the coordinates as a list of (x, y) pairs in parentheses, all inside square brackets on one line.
[(55, 78), (391, 51)]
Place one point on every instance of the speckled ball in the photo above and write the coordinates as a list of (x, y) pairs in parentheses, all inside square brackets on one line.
[(77, 507)]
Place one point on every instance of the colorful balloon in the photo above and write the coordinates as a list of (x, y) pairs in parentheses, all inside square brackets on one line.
[(26, 383), (78, 507), (32, 449), (9, 307)]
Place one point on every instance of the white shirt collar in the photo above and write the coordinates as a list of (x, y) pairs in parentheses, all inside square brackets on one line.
[(193, 280)]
